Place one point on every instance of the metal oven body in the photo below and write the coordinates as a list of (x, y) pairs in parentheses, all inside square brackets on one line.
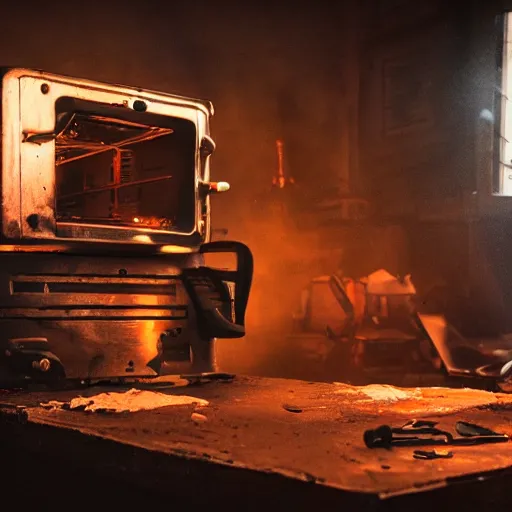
[(105, 223)]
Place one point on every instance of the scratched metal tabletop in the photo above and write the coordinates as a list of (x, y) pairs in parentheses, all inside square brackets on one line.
[(302, 430)]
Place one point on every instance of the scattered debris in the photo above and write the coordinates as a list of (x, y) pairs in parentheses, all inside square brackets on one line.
[(53, 404), (422, 432), (388, 330), (129, 401), (422, 402), (203, 378), (433, 454), (198, 418), (386, 393), (470, 429), (162, 382), (13, 414), (299, 408), (380, 392), (292, 408)]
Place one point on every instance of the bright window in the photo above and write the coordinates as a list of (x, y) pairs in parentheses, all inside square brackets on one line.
[(504, 175)]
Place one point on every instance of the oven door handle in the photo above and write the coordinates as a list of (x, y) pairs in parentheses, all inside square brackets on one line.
[(210, 296)]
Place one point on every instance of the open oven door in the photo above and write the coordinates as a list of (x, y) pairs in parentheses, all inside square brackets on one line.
[(220, 296)]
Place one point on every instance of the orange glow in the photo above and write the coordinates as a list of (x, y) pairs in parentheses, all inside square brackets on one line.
[(285, 258), (153, 222), (142, 239), (175, 249)]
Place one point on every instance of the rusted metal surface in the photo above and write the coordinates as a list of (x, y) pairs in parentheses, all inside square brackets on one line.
[(100, 316), (28, 179), (310, 432)]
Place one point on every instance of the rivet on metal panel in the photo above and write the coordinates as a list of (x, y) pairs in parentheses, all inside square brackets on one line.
[(45, 88), (33, 221), (139, 106)]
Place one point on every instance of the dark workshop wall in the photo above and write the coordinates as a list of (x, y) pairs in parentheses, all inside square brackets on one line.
[(428, 69), (415, 126)]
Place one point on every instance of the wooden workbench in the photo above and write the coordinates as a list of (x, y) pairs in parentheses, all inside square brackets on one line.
[(261, 438)]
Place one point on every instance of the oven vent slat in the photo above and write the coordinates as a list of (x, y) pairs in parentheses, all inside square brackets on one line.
[(91, 286)]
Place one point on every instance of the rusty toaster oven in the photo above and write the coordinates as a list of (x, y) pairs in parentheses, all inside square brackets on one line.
[(105, 224)]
